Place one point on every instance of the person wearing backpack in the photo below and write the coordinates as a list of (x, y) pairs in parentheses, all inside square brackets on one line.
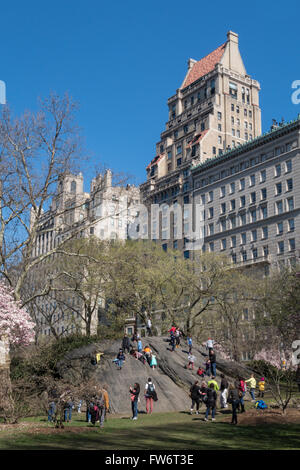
[(241, 385), (211, 402), (134, 397), (149, 395), (195, 392), (224, 391)]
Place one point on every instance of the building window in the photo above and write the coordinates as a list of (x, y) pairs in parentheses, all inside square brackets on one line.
[(290, 203), (219, 139), (278, 170), (264, 212), (279, 207), (253, 215), (242, 184), (210, 196), (263, 176), (292, 245), (254, 235), (289, 185), (264, 233), (253, 197), (185, 129), (219, 116), (73, 187), (214, 150), (278, 189), (222, 191), (252, 180), (211, 229), (254, 253), (178, 161), (280, 247), (280, 228), (263, 194), (169, 155), (243, 219), (223, 208), (178, 149), (265, 251), (288, 166), (186, 254), (291, 225), (165, 246), (244, 255), (232, 188), (223, 225), (232, 204), (223, 244), (210, 212), (233, 241), (211, 247), (243, 238), (233, 90)]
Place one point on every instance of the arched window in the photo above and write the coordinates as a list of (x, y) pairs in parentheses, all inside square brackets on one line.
[(73, 187)]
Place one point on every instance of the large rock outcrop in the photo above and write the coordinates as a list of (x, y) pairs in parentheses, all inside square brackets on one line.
[(172, 380)]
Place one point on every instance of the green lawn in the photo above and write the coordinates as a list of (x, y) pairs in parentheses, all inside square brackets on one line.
[(161, 431)]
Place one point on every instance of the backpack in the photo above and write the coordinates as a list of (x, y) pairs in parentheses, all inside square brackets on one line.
[(150, 389), (100, 402), (261, 405)]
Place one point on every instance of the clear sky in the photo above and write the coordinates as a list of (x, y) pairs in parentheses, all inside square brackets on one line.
[(121, 60)]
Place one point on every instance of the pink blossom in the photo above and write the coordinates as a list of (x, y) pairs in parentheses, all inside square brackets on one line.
[(15, 322)]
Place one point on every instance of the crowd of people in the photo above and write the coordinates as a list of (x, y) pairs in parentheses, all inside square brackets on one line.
[(207, 392)]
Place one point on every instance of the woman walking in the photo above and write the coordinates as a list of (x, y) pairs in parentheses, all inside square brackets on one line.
[(134, 396)]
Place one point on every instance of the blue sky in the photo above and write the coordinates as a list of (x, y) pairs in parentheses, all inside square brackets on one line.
[(121, 60)]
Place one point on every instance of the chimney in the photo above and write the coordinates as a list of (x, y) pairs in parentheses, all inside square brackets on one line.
[(234, 37), (191, 63)]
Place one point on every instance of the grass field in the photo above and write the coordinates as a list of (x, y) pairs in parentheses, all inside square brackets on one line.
[(160, 431)]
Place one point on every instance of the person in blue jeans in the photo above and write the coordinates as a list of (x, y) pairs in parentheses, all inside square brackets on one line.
[(134, 396), (120, 359), (51, 411), (68, 411), (213, 365), (211, 402)]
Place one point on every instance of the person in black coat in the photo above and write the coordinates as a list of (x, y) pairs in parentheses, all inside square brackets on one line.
[(234, 399), (134, 396), (211, 402), (196, 396), (212, 358), (126, 343)]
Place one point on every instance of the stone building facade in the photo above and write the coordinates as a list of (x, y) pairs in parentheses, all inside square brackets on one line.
[(106, 213)]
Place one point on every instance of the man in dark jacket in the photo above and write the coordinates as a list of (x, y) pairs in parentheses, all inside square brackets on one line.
[(213, 365), (196, 396), (126, 344), (234, 399), (211, 402)]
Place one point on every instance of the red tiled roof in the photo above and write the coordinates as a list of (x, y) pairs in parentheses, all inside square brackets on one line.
[(204, 66), (155, 160), (197, 138)]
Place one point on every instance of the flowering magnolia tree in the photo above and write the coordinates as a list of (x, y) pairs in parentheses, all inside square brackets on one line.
[(16, 326)]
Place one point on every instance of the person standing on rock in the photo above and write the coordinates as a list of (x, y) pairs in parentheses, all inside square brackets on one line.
[(191, 359), (195, 392), (209, 344), (172, 342), (134, 396), (150, 394), (126, 343), (224, 391), (149, 326), (190, 343), (120, 359), (213, 365)]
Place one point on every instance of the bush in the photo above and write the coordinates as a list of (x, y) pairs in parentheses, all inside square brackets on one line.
[(267, 370)]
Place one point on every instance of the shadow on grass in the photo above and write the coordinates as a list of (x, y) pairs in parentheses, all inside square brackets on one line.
[(142, 434)]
